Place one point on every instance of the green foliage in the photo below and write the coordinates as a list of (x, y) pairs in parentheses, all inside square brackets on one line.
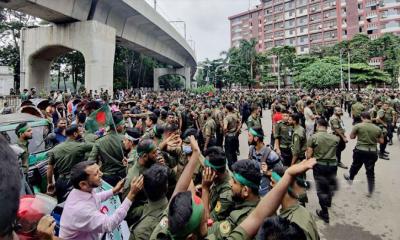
[(301, 62), (70, 66), (362, 73), (320, 74), (204, 89), (325, 73), (11, 24), (359, 47), (286, 55), (171, 82)]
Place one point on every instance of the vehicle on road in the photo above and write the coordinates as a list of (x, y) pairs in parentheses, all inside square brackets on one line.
[(39, 145)]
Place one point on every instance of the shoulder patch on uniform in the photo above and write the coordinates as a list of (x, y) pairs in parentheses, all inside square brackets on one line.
[(218, 207), (225, 227), (164, 222)]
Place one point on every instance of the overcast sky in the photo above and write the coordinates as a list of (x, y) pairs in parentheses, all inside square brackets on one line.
[(207, 21)]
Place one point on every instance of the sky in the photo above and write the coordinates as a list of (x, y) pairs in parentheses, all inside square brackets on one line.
[(206, 20)]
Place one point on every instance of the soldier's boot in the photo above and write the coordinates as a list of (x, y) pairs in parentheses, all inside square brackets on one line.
[(347, 177), (383, 156), (323, 214), (386, 154)]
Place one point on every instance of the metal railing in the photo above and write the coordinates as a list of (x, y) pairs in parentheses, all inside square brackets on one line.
[(13, 101)]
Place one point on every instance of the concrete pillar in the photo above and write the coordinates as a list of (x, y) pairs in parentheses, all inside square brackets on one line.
[(188, 76), (182, 72), (40, 46), (39, 73), (156, 79)]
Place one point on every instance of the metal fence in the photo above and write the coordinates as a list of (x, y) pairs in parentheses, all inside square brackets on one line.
[(14, 102)]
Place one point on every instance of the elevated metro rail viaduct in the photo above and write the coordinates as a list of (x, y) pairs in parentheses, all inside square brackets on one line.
[(93, 27)]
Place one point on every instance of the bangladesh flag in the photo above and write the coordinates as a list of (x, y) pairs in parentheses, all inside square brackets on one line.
[(100, 118)]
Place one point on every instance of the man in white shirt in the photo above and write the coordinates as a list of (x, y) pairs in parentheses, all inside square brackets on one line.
[(310, 118)]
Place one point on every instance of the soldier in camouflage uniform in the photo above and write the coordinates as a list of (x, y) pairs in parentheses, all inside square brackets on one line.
[(322, 146), (337, 127), (155, 182), (209, 130), (378, 118), (245, 184), (221, 202), (356, 109), (232, 125), (299, 142), (283, 139), (24, 134), (254, 120)]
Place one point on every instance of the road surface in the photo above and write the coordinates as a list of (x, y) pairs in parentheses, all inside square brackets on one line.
[(353, 216)]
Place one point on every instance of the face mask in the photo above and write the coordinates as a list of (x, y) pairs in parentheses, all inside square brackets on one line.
[(187, 149)]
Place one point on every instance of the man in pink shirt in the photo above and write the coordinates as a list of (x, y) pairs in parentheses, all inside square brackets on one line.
[(81, 218)]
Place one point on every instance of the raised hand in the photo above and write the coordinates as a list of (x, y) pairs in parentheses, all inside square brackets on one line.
[(208, 178)]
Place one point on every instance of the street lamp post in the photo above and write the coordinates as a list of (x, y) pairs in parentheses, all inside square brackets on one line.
[(279, 73), (341, 70), (348, 65)]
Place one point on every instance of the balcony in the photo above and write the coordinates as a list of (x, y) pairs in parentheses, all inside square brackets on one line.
[(328, 5), (374, 36), (290, 33), (376, 61), (372, 14), (390, 29), (304, 32), (315, 9), (289, 16), (316, 29), (389, 5), (268, 4), (372, 26), (371, 3), (303, 13), (390, 16)]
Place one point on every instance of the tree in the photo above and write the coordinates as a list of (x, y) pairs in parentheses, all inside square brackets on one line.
[(244, 63), (319, 74), (362, 73), (264, 70), (11, 24), (388, 47), (301, 62), (286, 55), (359, 47)]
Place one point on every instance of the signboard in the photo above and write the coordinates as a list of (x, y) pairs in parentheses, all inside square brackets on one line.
[(109, 207)]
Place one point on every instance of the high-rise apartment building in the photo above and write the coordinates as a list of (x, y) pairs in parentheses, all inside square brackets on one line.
[(305, 24)]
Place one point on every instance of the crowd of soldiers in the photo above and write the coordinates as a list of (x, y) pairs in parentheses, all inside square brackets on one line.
[(173, 141)]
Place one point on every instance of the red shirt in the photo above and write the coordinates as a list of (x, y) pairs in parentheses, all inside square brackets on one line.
[(277, 117)]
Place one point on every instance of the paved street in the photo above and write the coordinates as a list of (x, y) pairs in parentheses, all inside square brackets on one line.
[(353, 215)]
